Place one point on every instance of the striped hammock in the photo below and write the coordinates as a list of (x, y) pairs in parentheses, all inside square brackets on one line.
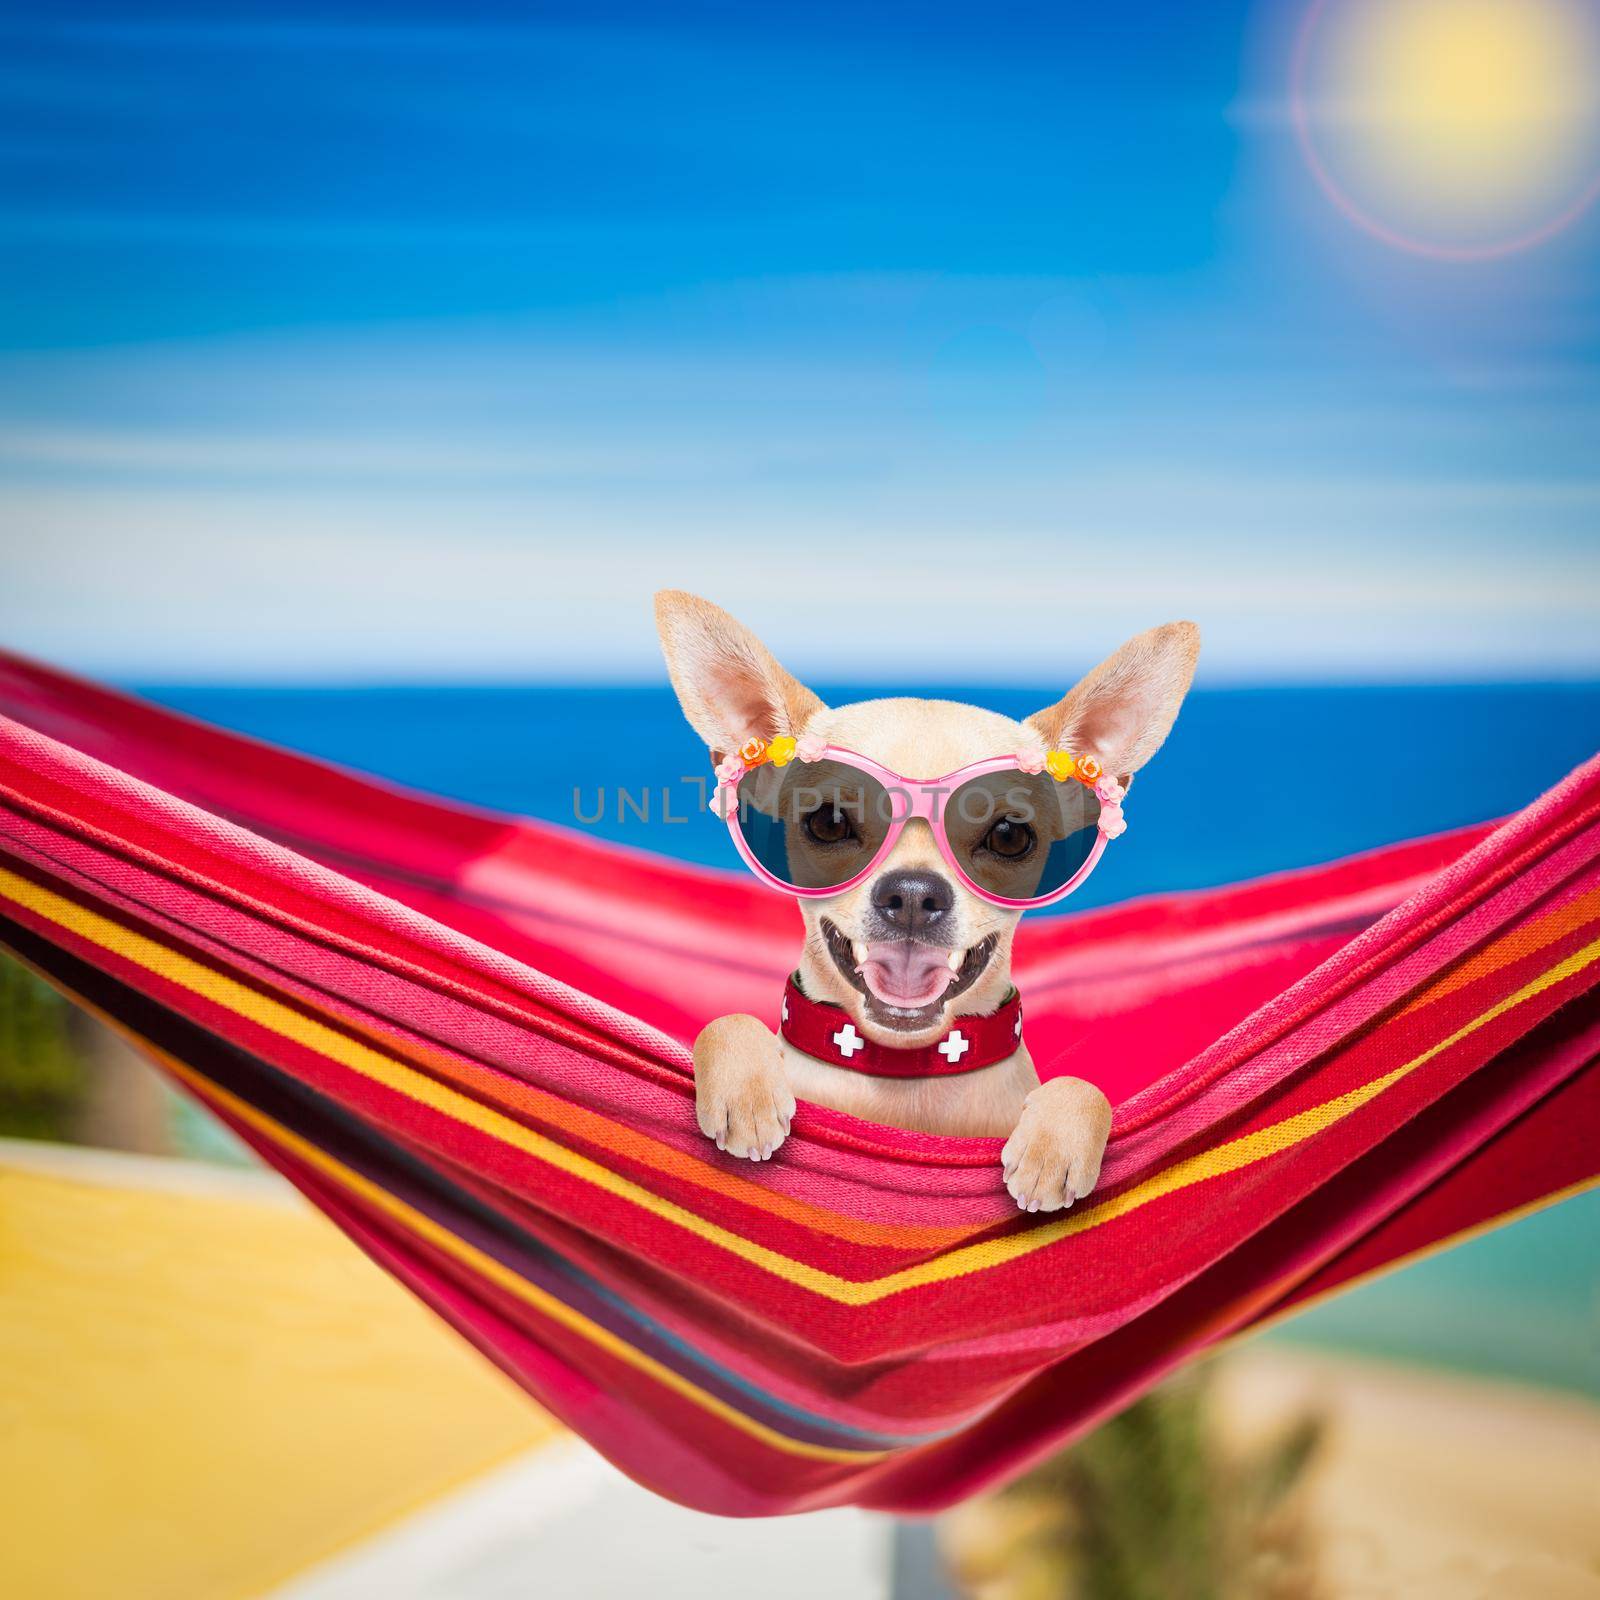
[(463, 1037)]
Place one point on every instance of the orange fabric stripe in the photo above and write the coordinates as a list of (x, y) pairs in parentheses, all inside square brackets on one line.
[(527, 1099), (487, 1267), (1526, 939)]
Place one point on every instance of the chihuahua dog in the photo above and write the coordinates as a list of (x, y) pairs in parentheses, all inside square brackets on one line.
[(907, 952)]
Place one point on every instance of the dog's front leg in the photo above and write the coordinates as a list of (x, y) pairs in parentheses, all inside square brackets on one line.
[(1053, 1155), (742, 1096)]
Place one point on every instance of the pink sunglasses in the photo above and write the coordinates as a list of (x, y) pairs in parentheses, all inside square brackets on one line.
[(813, 819)]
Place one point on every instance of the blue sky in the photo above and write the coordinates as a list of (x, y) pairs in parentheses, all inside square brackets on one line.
[(424, 342)]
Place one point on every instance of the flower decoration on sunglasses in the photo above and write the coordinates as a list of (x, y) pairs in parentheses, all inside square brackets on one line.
[(1062, 764), (755, 752)]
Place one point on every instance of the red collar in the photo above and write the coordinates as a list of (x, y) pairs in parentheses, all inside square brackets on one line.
[(816, 1028)]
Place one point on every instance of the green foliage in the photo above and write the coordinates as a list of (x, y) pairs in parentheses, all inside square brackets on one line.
[(43, 1079), (1150, 1506)]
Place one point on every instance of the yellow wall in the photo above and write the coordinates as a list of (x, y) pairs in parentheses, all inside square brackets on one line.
[(204, 1387)]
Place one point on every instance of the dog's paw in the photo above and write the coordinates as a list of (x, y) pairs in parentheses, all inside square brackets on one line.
[(746, 1108), (742, 1098), (1053, 1155)]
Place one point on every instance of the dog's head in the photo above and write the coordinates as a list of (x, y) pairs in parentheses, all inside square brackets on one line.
[(911, 947)]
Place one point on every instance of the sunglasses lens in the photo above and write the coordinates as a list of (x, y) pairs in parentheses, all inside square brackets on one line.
[(813, 825), (1021, 836)]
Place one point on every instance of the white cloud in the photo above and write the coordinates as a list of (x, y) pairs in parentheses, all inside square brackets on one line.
[(296, 457), (217, 584)]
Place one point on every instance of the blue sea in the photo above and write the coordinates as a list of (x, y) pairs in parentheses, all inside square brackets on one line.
[(1251, 781)]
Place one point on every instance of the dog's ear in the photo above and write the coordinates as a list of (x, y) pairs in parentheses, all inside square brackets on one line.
[(728, 683), (1122, 711)]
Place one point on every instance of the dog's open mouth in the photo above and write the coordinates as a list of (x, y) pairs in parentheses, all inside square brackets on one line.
[(905, 981)]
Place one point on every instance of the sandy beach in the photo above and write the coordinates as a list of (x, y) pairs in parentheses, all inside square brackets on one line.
[(1436, 1486)]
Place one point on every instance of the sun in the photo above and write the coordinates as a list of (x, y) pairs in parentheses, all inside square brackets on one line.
[(1453, 127)]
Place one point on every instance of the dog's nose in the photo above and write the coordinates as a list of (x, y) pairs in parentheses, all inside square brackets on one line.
[(912, 903)]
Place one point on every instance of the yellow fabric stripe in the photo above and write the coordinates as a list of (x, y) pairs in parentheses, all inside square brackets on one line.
[(668, 1160), (370, 1063), (1223, 1158), (425, 1227), (486, 1266)]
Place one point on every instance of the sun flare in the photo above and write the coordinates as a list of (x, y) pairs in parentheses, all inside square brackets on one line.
[(1457, 127)]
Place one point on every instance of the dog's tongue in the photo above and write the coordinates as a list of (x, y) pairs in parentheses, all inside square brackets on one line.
[(905, 973)]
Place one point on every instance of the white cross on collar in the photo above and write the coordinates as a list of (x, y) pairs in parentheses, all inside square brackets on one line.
[(955, 1046), (849, 1041)]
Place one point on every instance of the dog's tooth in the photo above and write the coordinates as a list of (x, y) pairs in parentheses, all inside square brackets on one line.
[(858, 948), (954, 959)]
